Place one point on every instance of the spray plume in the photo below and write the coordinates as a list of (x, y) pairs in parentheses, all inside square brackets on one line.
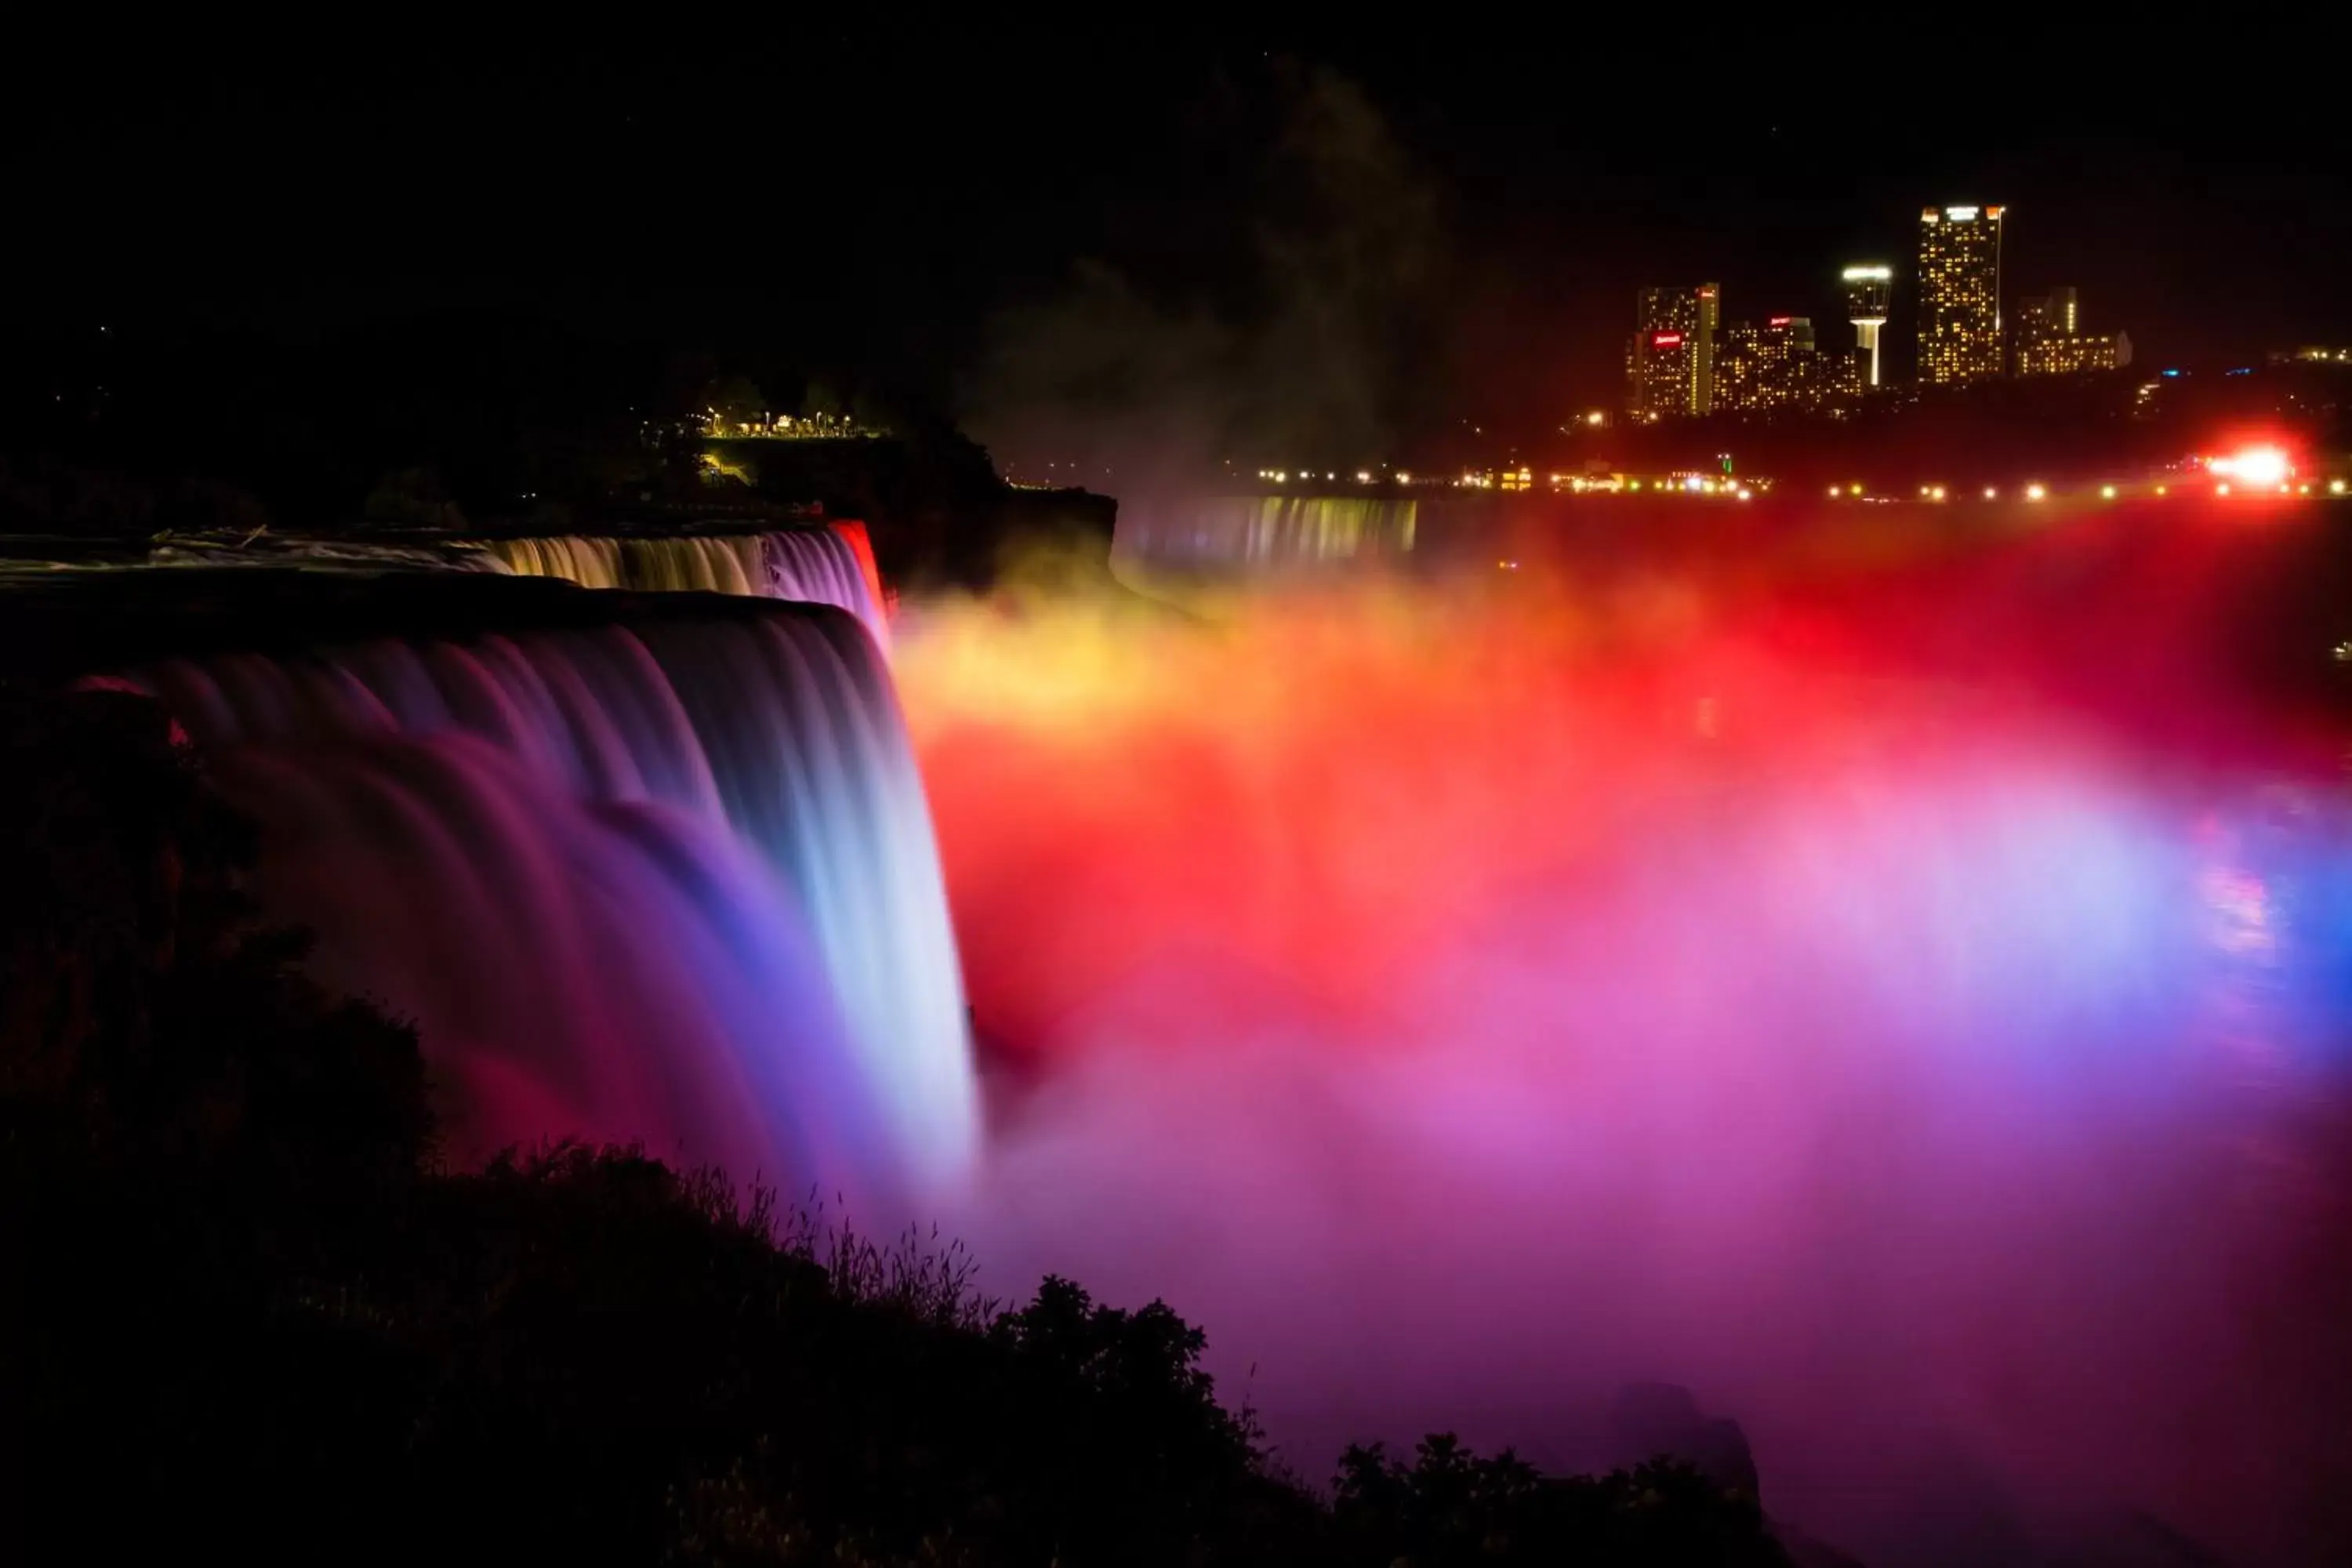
[(1464, 1003)]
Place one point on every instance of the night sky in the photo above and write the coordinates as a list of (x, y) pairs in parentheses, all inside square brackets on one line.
[(881, 196)]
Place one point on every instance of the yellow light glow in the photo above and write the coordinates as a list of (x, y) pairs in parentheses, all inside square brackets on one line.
[(1854, 489), (1363, 476), (2034, 492), (2286, 489), (1634, 484), (2106, 492), (1596, 417), (2303, 489), (1936, 494), (2336, 487), (2159, 490), (1746, 495), (2222, 488), (1835, 492)]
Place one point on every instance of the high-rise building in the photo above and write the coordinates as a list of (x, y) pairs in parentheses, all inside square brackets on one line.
[(1776, 365), (2074, 355), (1753, 371), (2064, 306), (1866, 287), (1959, 294), (2050, 342), (1670, 362)]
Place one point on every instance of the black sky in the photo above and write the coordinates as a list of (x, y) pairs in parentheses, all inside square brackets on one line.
[(876, 195)]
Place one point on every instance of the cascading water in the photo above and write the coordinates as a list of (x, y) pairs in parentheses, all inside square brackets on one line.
[(1265, 530), (673, 881), (816, 565)]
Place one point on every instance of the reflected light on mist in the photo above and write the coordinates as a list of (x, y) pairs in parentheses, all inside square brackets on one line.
[(1461, 1002)]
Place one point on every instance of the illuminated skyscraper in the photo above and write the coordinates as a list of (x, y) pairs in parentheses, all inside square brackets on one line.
[(2050, 342), (1866, 307), (1670, 362), (1959, 294), (1777, 367)]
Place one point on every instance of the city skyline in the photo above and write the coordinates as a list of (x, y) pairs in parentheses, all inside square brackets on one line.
[(1379, 239), (1964, 330)]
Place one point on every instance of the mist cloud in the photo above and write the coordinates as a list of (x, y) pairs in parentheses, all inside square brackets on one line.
[(1146, 389), (1419, 1000)]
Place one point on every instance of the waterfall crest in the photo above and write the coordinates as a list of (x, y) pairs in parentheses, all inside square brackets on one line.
[(832, 565), (671, 880)]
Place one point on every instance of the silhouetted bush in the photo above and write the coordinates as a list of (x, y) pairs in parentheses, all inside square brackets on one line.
[(1450, 1507), (260, 1323)]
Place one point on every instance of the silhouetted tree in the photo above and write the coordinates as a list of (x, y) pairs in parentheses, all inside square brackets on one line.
[(412, 498)]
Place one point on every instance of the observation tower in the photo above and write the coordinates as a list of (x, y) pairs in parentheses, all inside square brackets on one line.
[(1866, 307)]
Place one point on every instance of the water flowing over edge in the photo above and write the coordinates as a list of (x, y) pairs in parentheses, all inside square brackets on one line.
[(554, 849)]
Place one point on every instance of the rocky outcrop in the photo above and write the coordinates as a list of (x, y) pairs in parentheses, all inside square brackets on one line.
[(1649, 1419)]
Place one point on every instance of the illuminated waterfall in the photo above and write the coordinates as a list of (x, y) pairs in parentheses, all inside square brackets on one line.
[(831, 565), (1265, 530), (673, 881)]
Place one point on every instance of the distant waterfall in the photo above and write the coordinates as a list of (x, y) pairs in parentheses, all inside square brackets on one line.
[(673, 881), (1227, 532), (816, 565)]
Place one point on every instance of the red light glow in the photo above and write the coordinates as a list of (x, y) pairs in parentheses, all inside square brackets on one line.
[(2255, 465), (1665, 340), (1338, 923)]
